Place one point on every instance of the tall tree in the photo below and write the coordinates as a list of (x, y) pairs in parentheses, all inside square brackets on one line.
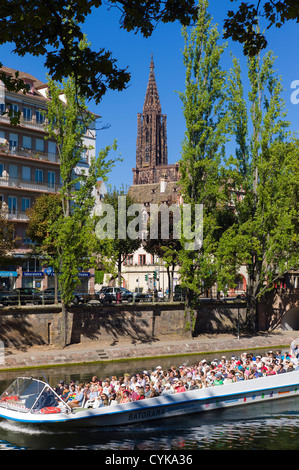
[(168, 247), (45, 211), (72, 234), (202, 180), (264, 235), (115, 247)]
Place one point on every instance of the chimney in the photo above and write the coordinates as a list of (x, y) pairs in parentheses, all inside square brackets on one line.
[(163, 184)]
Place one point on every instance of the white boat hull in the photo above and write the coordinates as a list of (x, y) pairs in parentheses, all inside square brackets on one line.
[(212, 398)]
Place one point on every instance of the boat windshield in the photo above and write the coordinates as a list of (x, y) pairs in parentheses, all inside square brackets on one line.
[(25, 394)]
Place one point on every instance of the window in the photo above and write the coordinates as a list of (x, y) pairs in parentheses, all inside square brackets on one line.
[(129, 260), (40, 118), (26, 173), (2, 108), (142, 259), (29, 87), (1, 169), (40, 145), (51, 179), (25, 204), (13, 142), (27, 142), (52, 151), (12, 204), (39, 176), (14, 108), (13, 171), (27, 114)]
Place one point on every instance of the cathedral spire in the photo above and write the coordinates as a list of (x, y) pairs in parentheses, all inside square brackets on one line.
[(151, 145), (152, 65), (152, 100)]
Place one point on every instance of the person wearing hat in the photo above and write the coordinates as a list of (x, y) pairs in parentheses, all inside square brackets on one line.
[(60, 388), (218, 380), (168, 390)]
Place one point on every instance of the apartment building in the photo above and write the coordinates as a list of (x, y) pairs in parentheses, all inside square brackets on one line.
[(29, 167)]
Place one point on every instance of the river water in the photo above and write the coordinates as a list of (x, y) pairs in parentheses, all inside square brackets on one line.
[(264, 426)]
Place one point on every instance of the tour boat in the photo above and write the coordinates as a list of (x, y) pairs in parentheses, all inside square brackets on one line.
[(23, 402)]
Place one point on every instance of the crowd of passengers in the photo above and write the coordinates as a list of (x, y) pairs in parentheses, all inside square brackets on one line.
[(114, 390)]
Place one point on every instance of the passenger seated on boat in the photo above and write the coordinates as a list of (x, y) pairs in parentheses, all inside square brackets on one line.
[(290, 367), (72, 393), (147, 390), (92, 396), (271, 370), (218, 379), (113, 399), (94, 380), (180, 387), (168, 390), (126, 397), (139, 393), (60, 387), (101, 400), (78, 400), (65, 392)]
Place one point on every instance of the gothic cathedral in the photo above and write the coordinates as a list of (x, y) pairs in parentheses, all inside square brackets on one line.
[(151, 147)]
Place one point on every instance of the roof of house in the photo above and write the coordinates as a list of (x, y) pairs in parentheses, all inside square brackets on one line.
[(151, 193), (37, 84)]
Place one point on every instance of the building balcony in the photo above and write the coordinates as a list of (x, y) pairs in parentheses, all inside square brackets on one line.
[(17, 216), (5, 149), (32, 123), (28, 185)]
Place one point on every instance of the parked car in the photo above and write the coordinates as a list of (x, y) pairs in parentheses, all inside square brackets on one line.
[(141, 297), (48, 296), (81, 297), (108, 294), (179, 294), (8, 298), (22, 295)]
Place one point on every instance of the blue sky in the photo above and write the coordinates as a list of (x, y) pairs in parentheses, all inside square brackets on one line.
[(119, 109)]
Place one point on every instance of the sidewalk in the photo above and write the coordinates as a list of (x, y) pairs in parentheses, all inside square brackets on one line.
[(97, 351)]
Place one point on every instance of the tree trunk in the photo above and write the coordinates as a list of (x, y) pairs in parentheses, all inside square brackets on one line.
[(189, 313), (56, 288), (252, 293), (171, 284), (119, 271), (63, 329), (170, 294)]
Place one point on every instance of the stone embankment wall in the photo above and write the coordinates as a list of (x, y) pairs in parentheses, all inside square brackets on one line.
[(33, 325)]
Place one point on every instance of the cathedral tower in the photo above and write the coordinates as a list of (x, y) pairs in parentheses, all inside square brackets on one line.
[(151, 148)]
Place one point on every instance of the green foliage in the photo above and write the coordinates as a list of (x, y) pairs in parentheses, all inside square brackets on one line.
[(264, 235), (167, 249), (46, 209), (241, 25), (203, 181), (8, 241), (55, 30), (250, 199), (114, 251), (71, 234)]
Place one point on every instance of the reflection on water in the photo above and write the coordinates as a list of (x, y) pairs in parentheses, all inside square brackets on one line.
[(264, 426)]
